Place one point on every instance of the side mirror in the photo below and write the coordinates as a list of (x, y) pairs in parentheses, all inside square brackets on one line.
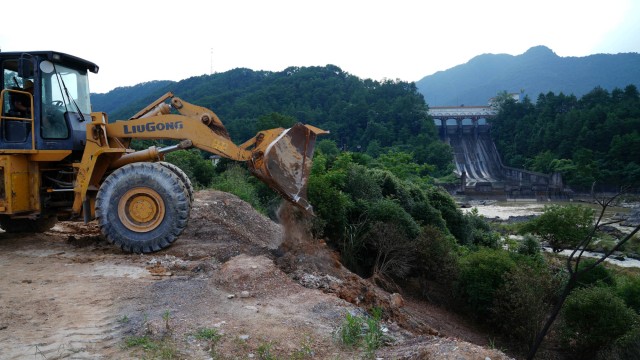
[(25, 68)]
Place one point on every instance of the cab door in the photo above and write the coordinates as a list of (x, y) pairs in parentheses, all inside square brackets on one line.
[(18, 109)]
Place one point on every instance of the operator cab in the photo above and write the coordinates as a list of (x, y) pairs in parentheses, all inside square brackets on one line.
[(44, 101)]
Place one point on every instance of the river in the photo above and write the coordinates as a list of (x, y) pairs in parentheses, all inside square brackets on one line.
[(506, 209)]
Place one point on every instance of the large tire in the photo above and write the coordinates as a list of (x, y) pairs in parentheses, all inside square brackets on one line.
[(38, 225), (181, 174), (142, 207)]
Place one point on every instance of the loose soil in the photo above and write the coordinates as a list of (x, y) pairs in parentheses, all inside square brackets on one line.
[(266, 289)]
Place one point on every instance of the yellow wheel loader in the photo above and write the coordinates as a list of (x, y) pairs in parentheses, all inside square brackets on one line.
[(60, 161)]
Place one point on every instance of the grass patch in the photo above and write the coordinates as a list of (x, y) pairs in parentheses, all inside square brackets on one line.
[(212, 337), (163, 349), (351, 330), (210, 334), (363, 332), (373, 334)]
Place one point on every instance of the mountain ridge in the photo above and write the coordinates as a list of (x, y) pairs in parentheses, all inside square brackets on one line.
[(538, 70)]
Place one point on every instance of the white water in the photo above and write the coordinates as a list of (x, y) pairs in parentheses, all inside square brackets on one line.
[(504, 210), (627, 262)]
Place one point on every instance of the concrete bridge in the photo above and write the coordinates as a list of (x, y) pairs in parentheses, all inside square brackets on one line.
[(459, 119), (477, 161)]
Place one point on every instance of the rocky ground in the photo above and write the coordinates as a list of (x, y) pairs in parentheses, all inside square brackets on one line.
[(236, 285)]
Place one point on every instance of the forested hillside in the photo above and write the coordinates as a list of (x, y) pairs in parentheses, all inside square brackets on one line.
[(362, 115), (538, 70), (594, 138)]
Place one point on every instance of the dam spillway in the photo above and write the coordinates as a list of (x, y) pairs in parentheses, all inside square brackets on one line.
[(478, 162)]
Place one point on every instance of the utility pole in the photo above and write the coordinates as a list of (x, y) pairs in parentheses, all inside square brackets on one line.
[(211, 68)]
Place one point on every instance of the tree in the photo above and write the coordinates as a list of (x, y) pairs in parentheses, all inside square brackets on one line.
[(595, 132), (561, 226), (274, 120), (482, 273), (199, 170), (401, 164), (576, 269), (594, 317), (395, 254)]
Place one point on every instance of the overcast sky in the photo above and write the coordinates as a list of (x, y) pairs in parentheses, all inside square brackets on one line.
[(135, 41)]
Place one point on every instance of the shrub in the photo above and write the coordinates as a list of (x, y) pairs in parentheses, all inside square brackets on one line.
[(351, 330), (629, 291), (481, 275), (412, 198), (361, 185), (593, 318), (394, 253), (235, 180), (453, 217), (331, 205), (357, 331), (598, 276), (436, 267), (521, 304), (477, 231), (373, 337), (389, 211), (625, 347), (328, 148), (561, 226), (632, 247), (529, 246), (437, 259), (199, 170)]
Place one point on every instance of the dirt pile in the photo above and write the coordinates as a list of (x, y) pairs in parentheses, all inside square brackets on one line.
[(69, 294)]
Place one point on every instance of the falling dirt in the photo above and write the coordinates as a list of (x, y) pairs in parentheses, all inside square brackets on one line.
[(67, 293)]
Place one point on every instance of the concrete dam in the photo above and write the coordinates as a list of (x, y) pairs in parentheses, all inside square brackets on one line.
[(478, 162)]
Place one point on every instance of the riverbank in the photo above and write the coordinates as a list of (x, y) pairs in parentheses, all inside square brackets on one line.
[(510, 212)]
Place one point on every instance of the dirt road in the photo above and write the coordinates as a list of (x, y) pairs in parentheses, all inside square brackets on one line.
[(67, 293)]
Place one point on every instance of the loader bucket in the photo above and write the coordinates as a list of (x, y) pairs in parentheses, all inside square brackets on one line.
[(285, 163)]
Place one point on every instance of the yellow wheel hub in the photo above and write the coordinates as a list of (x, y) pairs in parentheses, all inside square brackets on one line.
[(141, 209)]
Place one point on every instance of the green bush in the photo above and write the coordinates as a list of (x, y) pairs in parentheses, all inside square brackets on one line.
[(479, 231), (598, 276), (328, 148), (351, 330), (436, 267), (393, 251), (522, 303), (624, 348), (373, 337), (235, 180), (629, 290), (349, 198), (199, 170), (331, 205), (481, 275), (529, 246), (593, 318), (453, 217), (361, 185), (359, 331), (632, 246), (437, 257), (389, 211), (561, 226)]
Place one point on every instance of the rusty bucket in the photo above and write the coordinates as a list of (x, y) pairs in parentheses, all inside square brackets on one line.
[(285, 162)]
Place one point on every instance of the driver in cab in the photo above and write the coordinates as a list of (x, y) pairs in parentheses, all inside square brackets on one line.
[(22, 102)]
